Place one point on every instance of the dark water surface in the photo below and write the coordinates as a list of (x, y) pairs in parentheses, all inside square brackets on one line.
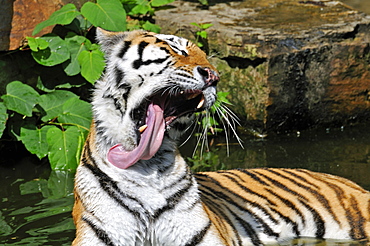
[(36, 203)]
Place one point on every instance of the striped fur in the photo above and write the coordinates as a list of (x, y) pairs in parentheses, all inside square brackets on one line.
[(156, 200)]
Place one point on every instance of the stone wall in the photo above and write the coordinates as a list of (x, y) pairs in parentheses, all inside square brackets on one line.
[(288, 64)]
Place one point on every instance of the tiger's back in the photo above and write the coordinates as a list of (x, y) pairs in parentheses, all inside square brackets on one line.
[(284, 203)]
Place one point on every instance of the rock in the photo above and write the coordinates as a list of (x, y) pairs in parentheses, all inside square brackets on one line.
[(288, 64), (19, 17)]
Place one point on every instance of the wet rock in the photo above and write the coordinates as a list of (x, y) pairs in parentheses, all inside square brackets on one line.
[(288, 64)]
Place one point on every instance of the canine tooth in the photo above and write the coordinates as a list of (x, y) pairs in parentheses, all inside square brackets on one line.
[(142, 128), (191, 96), (201, 103)]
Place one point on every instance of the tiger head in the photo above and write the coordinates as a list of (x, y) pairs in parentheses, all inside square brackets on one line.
[(152, 83)]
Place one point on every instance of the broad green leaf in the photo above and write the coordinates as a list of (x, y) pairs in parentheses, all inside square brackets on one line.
[(157, 3), (56, 53), (140, 10), (79, 25), (107, 14), (20, 98), (52, 103), (3, 118), (92, 64), (151, 27), (63, 147), (63, 16), (35, 140), (76, 111), (37, 44), (76, 44)]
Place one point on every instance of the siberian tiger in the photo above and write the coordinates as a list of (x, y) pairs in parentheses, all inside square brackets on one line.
[(133, 187)]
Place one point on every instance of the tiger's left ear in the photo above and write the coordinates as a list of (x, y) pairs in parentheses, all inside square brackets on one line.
[(108, 39)]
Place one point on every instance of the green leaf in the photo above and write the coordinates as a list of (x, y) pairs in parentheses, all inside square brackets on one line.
[(195, 24), (76, 111), (56, 53), (204, 2), (139, 10), (3, 118), (63, 147), (37, 44), (63, 16), (202, 34), (20, 98), (52, 103), (92, 64), (151, 27), (206, 25), (107, 14), (35, 140), (76, 44), (157, 3)]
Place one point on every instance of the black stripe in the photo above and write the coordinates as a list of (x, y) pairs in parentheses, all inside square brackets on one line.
[(110, 186), (253, 176), (174, 199), (356, 220), (320, 224), (321, 198), (278, 184), (116, 102), (243, 187), (215, 207), (101, 234), (290, 205), (267, 229), (137, 63), (119, 75), (124, 49), (285, 218), (197, 238), (127, 89), (248, 229)]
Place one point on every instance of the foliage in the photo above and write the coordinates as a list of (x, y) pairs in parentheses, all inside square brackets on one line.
[(51, 120), (208, 161), (202, 34), (53, 124)]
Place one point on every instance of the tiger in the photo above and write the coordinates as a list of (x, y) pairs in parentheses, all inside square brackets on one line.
[(133, 187)]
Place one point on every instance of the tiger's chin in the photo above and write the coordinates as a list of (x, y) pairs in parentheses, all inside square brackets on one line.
[(162, 110)]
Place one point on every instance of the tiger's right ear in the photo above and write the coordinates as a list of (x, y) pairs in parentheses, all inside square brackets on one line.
[(108, 39)]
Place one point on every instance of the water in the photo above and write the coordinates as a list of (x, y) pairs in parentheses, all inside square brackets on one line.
[(36, 203)]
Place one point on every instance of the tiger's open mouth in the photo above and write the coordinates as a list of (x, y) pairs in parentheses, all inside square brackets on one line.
[(175, 105), (163, 108)]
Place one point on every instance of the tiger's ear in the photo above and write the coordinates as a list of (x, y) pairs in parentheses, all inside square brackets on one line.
[(108, 39)]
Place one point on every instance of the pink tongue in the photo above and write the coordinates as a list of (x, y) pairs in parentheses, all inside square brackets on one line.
[(151, 140)]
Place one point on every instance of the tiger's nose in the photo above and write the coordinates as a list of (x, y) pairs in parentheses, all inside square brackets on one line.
[(210, 77)]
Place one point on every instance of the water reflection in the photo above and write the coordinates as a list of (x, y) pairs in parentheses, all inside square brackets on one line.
[(36, 203)]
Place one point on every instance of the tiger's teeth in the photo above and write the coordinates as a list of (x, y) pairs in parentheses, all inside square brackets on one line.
[(142, 128), (191, 96), (201, 103)]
